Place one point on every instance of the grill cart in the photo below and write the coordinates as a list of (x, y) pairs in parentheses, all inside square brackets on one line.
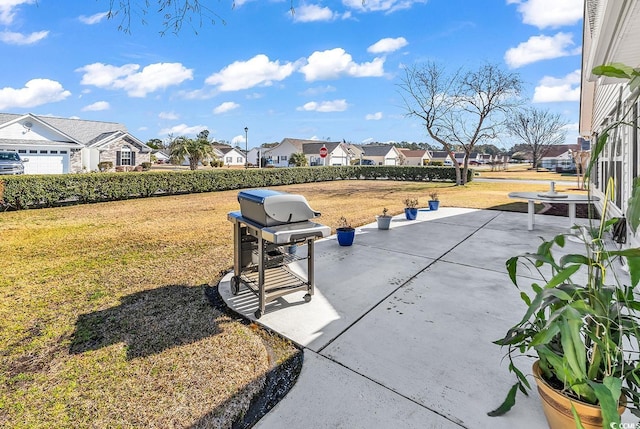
[(265, 228)]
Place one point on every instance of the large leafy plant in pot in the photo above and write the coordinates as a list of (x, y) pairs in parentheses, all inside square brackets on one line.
[(582, 320)]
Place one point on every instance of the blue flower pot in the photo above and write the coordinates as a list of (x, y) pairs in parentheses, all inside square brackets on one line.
[(345, 236), (433, 205), (410, 213)]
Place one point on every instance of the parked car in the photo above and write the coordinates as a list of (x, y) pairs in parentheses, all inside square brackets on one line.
[(11, 163), (364, 162)]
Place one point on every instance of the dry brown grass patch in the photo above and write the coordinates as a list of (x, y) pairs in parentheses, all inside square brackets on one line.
[(103, 319)]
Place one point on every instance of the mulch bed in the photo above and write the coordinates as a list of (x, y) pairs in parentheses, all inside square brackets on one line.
[(557, 209)]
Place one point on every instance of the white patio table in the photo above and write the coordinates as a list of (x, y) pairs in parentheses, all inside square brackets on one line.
[(570, 199)]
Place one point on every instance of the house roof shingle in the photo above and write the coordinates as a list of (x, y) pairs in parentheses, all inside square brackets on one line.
[(81, 130)]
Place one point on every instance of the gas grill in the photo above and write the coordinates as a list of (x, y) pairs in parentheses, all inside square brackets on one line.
[(267, 228)]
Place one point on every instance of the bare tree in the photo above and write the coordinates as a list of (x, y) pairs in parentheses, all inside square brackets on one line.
[(538, 130), (175, 13), (461, 109)]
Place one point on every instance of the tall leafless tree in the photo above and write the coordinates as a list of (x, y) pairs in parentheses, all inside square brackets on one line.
[(538, 130), (463, 108), (175, 13)]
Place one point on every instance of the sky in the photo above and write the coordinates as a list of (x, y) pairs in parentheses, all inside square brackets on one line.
[(328, 71)]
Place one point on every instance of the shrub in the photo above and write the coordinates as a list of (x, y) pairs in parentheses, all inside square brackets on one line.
[(34, 191), (105, 166), (146, 166)]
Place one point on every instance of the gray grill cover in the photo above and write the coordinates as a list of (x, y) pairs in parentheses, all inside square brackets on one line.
[(269, 208)]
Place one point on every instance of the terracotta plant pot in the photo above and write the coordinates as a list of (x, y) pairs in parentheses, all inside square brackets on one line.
[(557, 407)]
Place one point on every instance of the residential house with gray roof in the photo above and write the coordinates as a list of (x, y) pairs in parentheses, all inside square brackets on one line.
[(63, 145)]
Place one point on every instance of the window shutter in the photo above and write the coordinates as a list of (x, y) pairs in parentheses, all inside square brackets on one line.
[(118, 157), (133, 159)]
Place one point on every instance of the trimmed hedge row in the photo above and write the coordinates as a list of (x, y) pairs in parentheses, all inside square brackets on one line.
[(22, 192)]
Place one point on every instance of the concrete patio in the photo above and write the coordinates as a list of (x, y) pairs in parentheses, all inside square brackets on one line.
[(399, 332)]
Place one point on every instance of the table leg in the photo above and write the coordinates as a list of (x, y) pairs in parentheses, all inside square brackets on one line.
[(531, 209), (572, 214)]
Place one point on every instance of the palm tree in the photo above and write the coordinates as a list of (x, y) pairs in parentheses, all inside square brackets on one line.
[(194, 150)]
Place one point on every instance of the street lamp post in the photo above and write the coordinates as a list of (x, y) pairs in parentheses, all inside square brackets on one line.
[(246, 147)]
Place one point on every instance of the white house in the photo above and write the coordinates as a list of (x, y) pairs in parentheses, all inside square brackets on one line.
[(337, 153), (62, 145), (382, 154), (254, 155), (559, 157), (280, 154), (161, 156), (415, 157), (232, 156), (611, 35)]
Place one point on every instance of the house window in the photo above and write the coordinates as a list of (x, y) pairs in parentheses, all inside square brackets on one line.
[(229, 160), (239, 161), (44, 151), (22, 151), (33, 151), (125, 157), (64, 152), (53, 151), (283, 158)]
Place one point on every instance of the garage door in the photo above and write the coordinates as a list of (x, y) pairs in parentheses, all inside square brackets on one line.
[(46, 161)]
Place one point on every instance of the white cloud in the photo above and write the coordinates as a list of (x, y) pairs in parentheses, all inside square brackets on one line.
[(183, 130), (247, 74), (237, 140), (373, 116), (227, 106), (96, 107), (386, 45), (11, 38), (8, 9), (137, 83), (36, 92), (171, 116), (551, 89), (325, 106), (93, 19), (387, 6), (539, 48), (312, 12), (312, 92), (333, 63), (550, 13)]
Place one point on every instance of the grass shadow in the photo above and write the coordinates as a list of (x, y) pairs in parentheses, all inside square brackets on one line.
[(148, 322)]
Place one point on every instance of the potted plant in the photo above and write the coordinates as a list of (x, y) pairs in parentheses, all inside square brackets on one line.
[(384, 220), (582, 321), (345, 232), (411, 208), (434, 202)]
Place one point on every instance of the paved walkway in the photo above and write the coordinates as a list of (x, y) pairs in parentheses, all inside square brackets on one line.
[(399, 333)]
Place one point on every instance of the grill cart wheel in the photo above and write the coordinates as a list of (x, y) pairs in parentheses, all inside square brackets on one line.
[(235, 285), (307, 298), (258, 314)]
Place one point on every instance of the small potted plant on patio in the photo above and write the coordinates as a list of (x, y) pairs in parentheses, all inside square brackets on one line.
[(581, 321), (434, 202), (411, 208), (345, 232), (384, 220)]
